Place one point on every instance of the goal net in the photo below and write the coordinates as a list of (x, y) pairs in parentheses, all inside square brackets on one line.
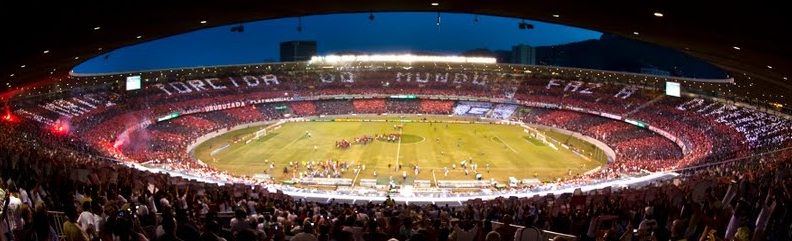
[(259, 133), (263, 132), (537, 135)]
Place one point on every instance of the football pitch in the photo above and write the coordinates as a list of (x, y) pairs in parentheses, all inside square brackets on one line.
[(506, 149)]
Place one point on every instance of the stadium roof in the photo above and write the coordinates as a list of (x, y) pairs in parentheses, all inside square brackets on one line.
[(747, 39)]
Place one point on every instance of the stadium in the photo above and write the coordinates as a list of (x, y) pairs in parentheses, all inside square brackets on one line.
[(379, 146)]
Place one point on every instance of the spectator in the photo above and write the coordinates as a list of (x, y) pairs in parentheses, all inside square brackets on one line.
[(506, 230), (493, 236), (530, 232), (306, 233), (72, 230)]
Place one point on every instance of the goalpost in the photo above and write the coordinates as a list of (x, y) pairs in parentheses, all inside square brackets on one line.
[(263, 132), (536, 134), (259, 133)]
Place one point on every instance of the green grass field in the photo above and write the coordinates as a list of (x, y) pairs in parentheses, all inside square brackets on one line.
[(508, 149)]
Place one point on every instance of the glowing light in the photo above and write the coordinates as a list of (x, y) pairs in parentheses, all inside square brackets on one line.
[(658, 14), (8, 117), (203, 21), (435, 4), (60, 128), (404, 58)]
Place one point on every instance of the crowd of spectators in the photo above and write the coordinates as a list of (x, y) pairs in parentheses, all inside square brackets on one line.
[(369, 106), (334, 107), (436, 106), (404, 106), (596, 96), (705, 138), (715, 142), (636, 149), (101, 200), (246, 114), (303, 108), (270, 111)]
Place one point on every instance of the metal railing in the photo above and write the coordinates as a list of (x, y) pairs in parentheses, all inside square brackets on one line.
[(56, 220)]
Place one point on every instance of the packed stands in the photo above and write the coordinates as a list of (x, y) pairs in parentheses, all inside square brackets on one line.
[(303, 108), (738, 200), (436, 106), (637, 149), (369, 106), (732, 185), (334, 107), (404, 106)]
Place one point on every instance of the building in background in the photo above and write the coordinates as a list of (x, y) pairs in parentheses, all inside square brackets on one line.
[(523, 54), (300, 50)]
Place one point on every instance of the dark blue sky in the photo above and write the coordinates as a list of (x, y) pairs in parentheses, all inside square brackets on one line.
[(388, 33)]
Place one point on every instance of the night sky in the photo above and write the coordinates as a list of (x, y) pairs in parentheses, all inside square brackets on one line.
[(388, 33)]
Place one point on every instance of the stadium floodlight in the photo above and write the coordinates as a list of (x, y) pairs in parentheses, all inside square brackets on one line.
[(403, 58)]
